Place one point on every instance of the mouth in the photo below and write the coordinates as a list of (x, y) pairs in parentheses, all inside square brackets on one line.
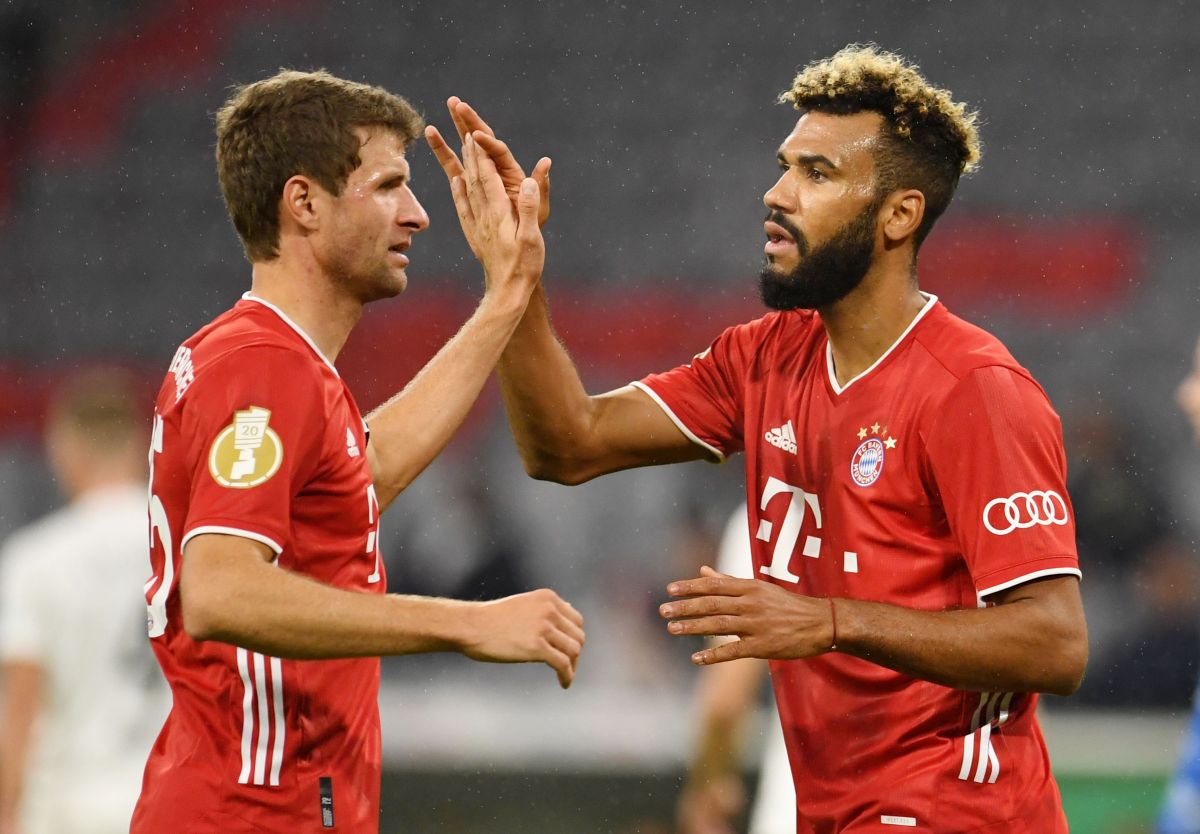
[(397, 251), (778, 239)]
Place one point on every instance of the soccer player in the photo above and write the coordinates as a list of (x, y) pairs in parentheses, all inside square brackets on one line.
[(82, 695), (917, 578), (266, 608)]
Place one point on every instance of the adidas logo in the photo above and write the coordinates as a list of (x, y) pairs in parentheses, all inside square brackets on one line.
[(351, 444), (783, 437)]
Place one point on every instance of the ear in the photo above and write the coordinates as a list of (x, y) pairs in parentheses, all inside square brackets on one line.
[(902, 212), (301, 203)]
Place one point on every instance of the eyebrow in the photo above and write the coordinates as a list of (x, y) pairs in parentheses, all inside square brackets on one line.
[(809, 159)]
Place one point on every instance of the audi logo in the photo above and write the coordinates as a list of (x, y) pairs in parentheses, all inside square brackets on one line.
[(1023, 510)]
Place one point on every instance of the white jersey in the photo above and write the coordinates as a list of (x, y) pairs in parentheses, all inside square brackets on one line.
[(774, 810), (71, 601)]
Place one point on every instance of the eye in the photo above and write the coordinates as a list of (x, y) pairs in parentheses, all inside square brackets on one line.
[(816, 174)]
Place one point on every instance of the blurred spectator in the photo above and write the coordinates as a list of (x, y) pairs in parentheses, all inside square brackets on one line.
[(82, 696), (713, 797)]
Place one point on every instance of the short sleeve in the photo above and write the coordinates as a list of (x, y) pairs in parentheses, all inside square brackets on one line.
[(22, 625), (254, 424), (996, 454), (704, 397)]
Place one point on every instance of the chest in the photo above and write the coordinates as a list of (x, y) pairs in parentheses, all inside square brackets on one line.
[(838, 488)]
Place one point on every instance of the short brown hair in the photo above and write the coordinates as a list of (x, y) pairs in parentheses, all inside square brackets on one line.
[(104, 405), (928, 140), (295, 123)]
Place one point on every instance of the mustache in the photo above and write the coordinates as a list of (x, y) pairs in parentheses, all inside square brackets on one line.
[(779, 220)]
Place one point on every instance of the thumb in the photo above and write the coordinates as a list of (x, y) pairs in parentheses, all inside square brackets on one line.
[(705, 570), (528, 203)]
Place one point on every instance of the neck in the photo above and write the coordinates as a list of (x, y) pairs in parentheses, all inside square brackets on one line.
[(868, 321), (310, 299)]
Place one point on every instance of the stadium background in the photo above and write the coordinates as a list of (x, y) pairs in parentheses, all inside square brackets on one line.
[(1075, 243)]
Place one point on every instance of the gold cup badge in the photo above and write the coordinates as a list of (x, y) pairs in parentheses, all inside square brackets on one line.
[(247, 452)]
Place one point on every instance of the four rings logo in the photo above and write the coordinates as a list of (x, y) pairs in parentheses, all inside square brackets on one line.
[(1023, 510)]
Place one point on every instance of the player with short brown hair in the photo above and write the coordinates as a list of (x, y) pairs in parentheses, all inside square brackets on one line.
[(913, 543), (266, 608)]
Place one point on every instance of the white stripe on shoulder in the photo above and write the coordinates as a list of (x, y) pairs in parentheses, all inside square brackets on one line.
[(230, 531), (1029, 577), (688, 433), (286, 320)]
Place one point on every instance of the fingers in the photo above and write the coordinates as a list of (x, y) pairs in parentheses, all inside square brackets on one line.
[(701, 607), (726, 651), (443, 153), (705, 570), (528, 203), (541, 175), (466, 119), (717, 584), (563, 647), (722, 625)]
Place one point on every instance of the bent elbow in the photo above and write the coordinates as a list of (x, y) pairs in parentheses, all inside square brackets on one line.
[(1070, 668), (556, 469), (198, 622)]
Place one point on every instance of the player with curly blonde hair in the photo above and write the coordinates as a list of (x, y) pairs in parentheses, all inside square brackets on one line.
[(912, 541)]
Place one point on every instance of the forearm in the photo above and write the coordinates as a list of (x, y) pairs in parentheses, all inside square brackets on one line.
[(413, 427), (1015, 647), (549, 411), (270, 610)]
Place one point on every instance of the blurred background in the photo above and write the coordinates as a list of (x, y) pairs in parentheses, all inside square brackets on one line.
[(1075, 243)]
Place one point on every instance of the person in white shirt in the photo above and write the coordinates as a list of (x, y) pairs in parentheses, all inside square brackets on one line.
[(713, 795), (82, 698)]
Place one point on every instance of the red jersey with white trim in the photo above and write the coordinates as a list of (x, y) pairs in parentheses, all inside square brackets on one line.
[(931, 480), (256, 435)]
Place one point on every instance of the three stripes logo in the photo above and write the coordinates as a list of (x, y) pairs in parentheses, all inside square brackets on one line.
[(980, 763), (783, 437)]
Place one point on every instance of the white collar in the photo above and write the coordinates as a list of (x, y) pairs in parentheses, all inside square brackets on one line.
[(931, 299), (249, 296)]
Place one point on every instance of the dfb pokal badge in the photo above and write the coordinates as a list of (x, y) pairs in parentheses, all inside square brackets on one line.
[(867, 463), (247, 452)]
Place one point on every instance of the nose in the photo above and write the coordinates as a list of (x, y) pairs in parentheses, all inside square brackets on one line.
[(412, 214), (779, 197)]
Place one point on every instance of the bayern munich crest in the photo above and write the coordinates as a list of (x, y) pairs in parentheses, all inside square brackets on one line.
[(867, 464)]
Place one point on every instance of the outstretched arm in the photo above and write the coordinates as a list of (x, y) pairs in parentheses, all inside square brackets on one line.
[(1034, 639), (412, 428), (562, 433), (230, 592)]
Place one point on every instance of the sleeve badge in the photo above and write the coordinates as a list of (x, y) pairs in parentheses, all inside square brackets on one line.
[(247, 452)]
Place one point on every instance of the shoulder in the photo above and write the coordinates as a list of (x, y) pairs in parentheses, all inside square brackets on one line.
[(961, 347), (784, 332)]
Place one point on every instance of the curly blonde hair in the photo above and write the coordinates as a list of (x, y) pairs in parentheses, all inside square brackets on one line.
[(928, 140)]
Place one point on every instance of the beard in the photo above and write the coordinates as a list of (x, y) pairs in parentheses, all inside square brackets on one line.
[(825, 274)]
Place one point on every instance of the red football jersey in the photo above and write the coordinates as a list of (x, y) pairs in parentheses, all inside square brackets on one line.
[(256, 435), (933, 479)]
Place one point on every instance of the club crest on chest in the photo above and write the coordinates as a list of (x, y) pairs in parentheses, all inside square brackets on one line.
[(866, 464)]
